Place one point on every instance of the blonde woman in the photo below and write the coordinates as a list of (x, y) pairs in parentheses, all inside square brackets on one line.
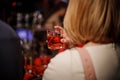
[(96, 24)]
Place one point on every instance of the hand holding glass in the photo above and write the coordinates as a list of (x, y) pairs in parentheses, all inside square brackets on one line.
[(54, 39)]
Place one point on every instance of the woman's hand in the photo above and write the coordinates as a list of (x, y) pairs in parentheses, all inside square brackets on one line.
[(65, 39)]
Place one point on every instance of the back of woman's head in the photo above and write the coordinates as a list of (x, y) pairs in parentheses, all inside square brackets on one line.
[(93, 20)]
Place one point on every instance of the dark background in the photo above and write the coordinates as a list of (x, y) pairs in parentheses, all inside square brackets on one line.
[(8, 7)]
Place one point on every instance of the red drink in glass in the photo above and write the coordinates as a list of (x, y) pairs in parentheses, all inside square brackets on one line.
[(54, 39)]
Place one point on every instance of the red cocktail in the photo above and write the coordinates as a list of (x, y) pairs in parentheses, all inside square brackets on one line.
[(54, 39)]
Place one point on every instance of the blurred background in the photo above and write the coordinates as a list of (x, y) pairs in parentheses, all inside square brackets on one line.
[(10, 8), (30, 19)]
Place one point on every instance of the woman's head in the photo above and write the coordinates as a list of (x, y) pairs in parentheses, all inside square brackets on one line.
[(92, 20)]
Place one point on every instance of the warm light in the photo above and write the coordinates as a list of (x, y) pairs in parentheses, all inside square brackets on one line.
[(14, 4)]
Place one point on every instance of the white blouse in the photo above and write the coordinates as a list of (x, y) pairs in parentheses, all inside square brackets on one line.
[(67, 65)]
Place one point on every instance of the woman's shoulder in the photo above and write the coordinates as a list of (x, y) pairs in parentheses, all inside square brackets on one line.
[(61, 66), (66, 54)]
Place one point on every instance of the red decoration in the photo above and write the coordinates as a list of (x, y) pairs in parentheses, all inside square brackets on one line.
[(37, 68)]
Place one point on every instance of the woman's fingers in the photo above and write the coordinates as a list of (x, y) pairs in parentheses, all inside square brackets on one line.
[(65, 38), (59, 27)]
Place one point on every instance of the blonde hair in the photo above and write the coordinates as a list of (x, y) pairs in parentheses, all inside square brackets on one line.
[(92, 20)]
